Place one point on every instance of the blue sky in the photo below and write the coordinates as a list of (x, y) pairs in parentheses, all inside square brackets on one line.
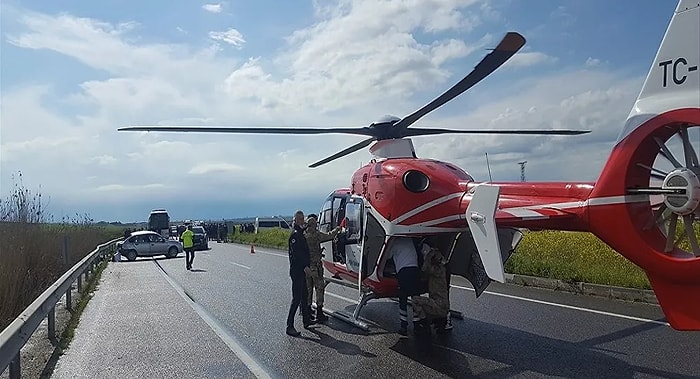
[(75, 71)]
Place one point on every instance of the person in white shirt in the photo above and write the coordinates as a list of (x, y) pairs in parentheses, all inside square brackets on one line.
[(403, 251)]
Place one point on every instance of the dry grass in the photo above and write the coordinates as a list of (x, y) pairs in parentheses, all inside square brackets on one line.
[(31, 249)]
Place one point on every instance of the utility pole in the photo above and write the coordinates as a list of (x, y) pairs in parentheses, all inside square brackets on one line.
[(522, 170)]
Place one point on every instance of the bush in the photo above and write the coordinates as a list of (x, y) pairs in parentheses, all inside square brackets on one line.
[(32, 248)]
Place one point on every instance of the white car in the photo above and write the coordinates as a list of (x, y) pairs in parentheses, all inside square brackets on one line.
[(148, 244)]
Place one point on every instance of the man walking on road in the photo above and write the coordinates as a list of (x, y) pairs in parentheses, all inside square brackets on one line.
[(187, 238), (298, 271)]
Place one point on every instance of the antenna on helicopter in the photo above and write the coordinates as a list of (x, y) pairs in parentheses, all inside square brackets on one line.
[(522, 170), (488, 167)]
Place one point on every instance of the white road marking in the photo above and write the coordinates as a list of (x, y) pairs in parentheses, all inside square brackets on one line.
[(568, 306), (228, 339), (240, 265)]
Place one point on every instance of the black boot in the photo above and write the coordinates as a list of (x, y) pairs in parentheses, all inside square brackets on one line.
[(292, 332), (422, 328), (403, 329), (320, 316)]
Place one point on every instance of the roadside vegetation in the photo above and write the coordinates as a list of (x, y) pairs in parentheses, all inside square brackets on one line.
[(568, 256), (31, 254)]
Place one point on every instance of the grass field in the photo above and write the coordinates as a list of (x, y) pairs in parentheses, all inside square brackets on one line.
[(569, 256)]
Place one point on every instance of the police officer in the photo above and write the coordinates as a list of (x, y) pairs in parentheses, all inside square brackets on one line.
[(298, 270), (314, 238), (437, 304)]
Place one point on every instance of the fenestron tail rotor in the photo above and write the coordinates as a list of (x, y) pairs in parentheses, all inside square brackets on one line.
[(394, 128)]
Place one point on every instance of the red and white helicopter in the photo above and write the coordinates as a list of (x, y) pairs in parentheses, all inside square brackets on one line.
[(479, 224)]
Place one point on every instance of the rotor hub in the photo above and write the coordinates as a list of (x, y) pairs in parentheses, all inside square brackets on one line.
[(686, 201)]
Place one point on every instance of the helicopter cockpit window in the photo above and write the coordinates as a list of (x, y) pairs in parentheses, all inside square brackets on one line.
[(353, 213)]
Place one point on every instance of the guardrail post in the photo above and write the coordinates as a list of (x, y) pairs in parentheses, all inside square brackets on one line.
[(15, 368), (80, 283), (69, 300), (52, 323)]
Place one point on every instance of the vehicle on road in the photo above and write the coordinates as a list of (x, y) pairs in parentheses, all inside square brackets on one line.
[(270, 222), (146, 243), (159, 222), (200, 238)]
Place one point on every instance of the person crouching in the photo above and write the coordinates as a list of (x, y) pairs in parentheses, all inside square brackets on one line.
[(434, 307)]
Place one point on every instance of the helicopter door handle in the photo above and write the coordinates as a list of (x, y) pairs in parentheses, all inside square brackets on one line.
[(478, 217)]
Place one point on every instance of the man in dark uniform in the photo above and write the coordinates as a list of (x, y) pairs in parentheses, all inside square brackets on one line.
[(299, 262)]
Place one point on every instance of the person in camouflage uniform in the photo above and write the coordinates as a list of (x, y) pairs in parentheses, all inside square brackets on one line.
[(437, 304), (314, 238)]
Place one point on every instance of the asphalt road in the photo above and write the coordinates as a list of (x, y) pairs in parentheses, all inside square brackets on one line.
[(152, 318)]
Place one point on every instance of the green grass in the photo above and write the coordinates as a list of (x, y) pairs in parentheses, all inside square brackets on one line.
[(568, 256), (275, 237), (574, 257)]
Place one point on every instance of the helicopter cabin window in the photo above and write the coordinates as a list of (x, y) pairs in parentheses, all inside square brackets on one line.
[(338, 210), (325, 219), (353, 215)]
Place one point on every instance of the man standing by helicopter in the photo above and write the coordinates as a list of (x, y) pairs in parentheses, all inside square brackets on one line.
[(314, 238), (298, 271)]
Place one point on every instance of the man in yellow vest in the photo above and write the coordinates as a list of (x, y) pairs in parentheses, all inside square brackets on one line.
[(187, 238)]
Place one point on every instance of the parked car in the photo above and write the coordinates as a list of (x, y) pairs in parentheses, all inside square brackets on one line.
[(201, 242), (147, 244)]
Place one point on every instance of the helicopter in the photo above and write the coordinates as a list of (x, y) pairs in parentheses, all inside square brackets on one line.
[(478, 225)]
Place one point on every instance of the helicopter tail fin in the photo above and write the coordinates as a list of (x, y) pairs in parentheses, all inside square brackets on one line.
[(648, 213)]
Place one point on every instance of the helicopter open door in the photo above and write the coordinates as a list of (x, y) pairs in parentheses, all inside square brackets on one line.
[(352, 237)]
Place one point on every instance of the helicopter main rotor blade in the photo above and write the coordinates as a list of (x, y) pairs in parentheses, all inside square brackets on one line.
[(345, 152), (364, 131), (510, 44), (426, 132)]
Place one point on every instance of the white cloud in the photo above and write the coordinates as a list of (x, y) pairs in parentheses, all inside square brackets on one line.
[(525, 59), (125, 188), (358, 60), (213, 8), (208, 168), (592, 62), (231, 36), (104, 159)]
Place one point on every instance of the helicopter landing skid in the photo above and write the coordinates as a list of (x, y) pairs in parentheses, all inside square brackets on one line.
[(354, 318)]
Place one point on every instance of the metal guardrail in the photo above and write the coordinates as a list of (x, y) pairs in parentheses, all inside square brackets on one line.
[(16, 335)]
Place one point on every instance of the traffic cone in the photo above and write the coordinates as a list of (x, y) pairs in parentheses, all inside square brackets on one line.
[(252, 248)]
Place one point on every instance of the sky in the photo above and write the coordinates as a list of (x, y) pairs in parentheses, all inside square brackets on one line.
[(72, 72)]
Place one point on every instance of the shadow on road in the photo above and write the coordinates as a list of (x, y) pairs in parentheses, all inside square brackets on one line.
[(342, 347)]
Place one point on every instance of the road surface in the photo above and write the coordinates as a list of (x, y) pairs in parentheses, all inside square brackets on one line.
[(226, 319)]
